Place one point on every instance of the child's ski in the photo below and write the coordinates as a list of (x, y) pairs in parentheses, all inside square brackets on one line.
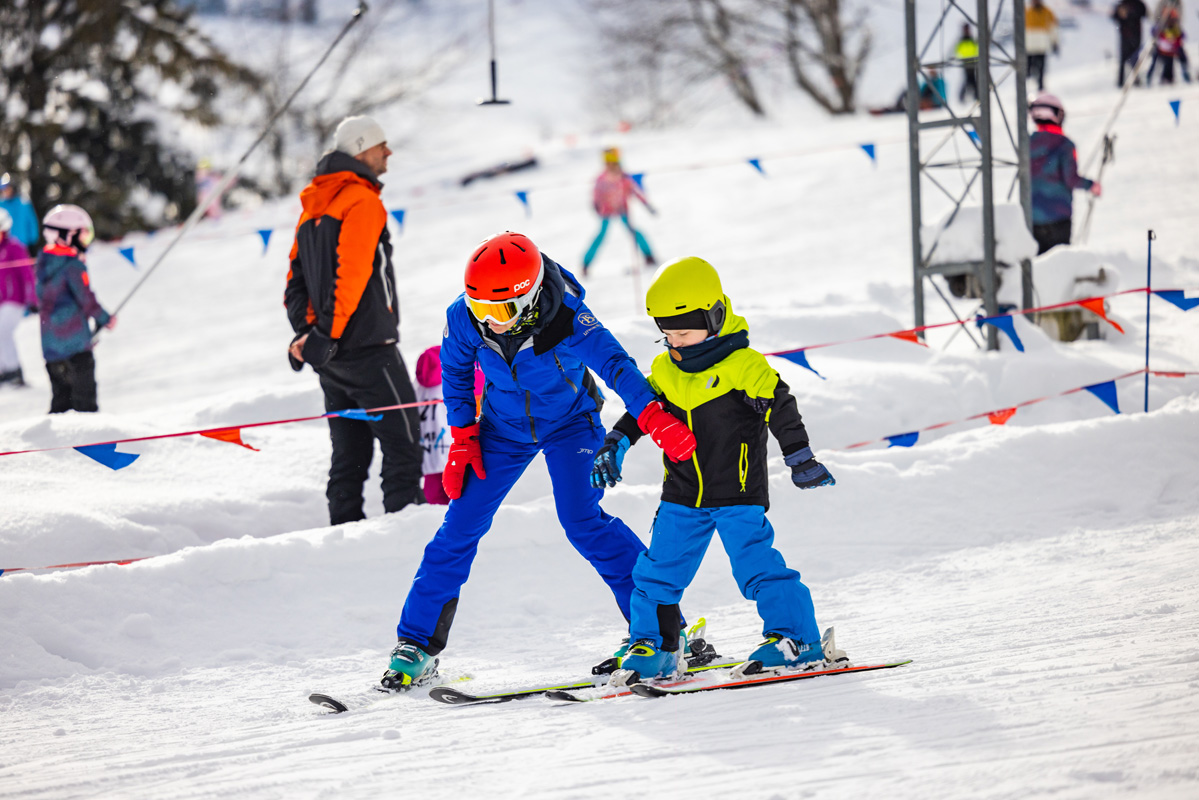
[(757, 679), (454, 697)]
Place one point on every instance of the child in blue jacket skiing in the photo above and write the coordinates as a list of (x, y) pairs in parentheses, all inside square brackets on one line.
[(67, 305), (522, 318), (730, 397), (1053, 164)]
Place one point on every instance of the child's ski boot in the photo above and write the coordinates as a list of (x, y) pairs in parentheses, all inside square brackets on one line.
[(410, 667), (779, 652)]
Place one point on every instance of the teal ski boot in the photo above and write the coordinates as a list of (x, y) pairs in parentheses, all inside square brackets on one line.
[(410, 667)]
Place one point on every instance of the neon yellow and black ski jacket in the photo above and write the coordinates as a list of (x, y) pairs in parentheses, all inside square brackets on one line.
[(729, 406)]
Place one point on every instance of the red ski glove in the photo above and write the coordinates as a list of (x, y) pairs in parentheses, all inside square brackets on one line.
[(464, 452), (675, 438)]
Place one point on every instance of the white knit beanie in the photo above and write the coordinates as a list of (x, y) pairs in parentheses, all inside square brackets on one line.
[(356, 134)]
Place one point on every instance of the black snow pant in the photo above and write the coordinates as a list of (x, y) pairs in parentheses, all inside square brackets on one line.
[(1036, 66), (371, 377), (1129, 53), (73, 383), (1051, 234)]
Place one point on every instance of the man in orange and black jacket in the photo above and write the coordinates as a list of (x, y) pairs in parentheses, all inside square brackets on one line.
[(342, 304)]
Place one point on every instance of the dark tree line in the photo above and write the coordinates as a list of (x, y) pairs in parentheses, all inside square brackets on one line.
[(88, 92)]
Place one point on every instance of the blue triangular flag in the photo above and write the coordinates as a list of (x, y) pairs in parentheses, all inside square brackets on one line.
[(973, 134), (639, 179), (869, 150), (1107, 393), (798, 357), (523, 197), (902, 439), (1178, 298), (757, 164), (265, 233), (1005, 324), (398, 213), (1175, 106), (359, 414), (127, 252), (107, 455)]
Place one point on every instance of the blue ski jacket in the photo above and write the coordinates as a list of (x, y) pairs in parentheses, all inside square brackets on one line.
[(1053, 164), (547, 384)]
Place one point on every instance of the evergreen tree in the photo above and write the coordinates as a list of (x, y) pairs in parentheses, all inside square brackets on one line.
[(87, 88)]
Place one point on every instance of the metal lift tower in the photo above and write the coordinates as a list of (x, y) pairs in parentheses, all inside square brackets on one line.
[(978, 164)]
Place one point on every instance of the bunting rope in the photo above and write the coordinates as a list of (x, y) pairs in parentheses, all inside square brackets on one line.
[(105, 452), (121, 562), (1104, 390)]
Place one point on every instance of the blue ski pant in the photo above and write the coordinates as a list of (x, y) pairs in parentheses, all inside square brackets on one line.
[(642, 243), (604, 540), (680, 538)]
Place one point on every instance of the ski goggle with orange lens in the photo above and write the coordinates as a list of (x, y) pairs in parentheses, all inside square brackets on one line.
[(502, 312)]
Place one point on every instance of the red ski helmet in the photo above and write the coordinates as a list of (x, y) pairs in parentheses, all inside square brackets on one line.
[(1047, 109), (503, 277)]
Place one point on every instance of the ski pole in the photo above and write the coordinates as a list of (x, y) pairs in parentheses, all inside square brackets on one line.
[(231, 176), (1148, 296), (1109, 155)]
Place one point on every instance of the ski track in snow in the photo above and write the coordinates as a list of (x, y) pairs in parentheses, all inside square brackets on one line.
[(1042, 574)]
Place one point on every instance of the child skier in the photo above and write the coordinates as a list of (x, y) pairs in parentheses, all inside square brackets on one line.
[(729, 396), (18, 294), (66, 303), (434, 434), (523, 319), (1053, 163), (613, 188)]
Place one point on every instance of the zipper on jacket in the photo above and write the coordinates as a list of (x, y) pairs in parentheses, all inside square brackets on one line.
[(528, 404), (564, 375), (383, 275), (699, 495), (743, 465)]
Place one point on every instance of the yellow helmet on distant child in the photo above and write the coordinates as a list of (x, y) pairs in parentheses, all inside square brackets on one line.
[(611, 155), (686, 294)]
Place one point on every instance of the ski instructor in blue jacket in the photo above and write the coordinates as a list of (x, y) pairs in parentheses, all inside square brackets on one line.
[(522, 318)]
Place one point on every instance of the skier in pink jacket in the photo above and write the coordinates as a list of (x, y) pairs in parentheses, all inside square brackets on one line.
[(613, 188)]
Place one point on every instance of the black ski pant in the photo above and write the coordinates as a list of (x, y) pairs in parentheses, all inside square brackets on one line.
[(1036, 66), (73, 383), (1051, 234), (371, 377), (1129, 53)]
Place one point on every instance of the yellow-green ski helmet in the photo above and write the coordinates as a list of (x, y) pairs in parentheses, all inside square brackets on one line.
[(686, 294)]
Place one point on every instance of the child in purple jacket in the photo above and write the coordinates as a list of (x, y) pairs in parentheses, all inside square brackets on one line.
[(17, 295), (1053, 163), (67, 305)]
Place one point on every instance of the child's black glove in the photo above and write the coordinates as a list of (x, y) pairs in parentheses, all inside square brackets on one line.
[(807, 472)]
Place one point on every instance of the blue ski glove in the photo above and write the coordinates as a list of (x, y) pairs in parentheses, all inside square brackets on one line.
[(609, 460), (806, 471)]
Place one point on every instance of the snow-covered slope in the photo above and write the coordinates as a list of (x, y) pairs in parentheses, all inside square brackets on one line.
[(1040, 574)]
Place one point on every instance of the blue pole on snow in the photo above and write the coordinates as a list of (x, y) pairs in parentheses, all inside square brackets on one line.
[(1148, 296)]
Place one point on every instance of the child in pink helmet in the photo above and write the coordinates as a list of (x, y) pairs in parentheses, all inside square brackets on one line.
[(434, 434)]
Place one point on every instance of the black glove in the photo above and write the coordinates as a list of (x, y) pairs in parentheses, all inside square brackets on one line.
[(806, 471), (319, 349), (609, 461)]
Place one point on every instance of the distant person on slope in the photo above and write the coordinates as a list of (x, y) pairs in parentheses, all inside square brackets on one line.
[(731, 397), (967, 53), (66, 304), (1168, 46), (613, 188), (24, 218), (341, 302), (1129, 16), (522, 318), (1040, 38), (1053, 163), (18, 294)]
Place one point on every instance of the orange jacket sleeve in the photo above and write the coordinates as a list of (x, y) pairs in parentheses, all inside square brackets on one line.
[(361, 226)]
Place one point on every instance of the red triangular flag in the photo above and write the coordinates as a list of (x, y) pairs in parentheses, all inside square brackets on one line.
[(1095, 306), (230, 435), (908, 336), (1000, 417)]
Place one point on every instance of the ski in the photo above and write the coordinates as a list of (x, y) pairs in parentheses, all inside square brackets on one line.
[(755, 679), (370, 696), (456, 697)]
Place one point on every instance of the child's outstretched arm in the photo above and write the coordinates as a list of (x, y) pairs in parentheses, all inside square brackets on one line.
[(787, 426)]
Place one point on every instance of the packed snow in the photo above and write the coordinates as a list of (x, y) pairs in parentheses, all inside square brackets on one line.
[(1042, 574)]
